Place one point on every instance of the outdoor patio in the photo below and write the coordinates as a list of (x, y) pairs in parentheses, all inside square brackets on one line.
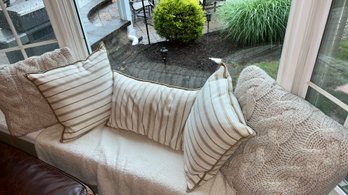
[(105, 15)]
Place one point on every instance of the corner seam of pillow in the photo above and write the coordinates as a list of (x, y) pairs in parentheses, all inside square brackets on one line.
[(229, 149)]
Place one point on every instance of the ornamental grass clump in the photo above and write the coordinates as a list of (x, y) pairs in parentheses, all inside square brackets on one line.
[(179, 20), (252, 22)]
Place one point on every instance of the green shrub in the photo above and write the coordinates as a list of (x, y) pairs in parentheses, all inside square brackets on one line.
[(179, 20), (252, 22)]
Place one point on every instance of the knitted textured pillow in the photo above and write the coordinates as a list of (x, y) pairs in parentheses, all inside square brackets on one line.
[(79, 93), (214, 129), (156, 111), (297, 150), (24, 107)]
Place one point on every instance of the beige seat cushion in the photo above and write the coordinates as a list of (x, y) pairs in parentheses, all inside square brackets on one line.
[(24, 107), (123, 163), (297, 149)]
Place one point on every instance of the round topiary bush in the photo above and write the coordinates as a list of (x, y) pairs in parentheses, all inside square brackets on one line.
[(251, 22), (179, 20)]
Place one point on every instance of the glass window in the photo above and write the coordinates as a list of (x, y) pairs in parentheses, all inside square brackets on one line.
[(186, 65), (3, 58), (327, 106), (331, 69), (98, 19), (330, 74), (32, 27)]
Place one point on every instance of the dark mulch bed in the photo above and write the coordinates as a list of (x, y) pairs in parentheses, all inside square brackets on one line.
[(194, 56)]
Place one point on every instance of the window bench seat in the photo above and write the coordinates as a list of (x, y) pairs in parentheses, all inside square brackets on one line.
[(121, 162)]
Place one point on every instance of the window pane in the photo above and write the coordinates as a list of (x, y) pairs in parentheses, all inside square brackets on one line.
[(98, 19), (186, 65), (7, 40), (32, 24), (331, 68), (328, 107), (3, 58), (34, 51)]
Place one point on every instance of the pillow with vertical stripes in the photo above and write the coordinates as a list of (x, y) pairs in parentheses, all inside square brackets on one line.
[(214, 129), (79, 93), (156, 111)]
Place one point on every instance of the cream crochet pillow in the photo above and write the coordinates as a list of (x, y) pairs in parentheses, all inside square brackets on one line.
[(25, 109), (297, 149)]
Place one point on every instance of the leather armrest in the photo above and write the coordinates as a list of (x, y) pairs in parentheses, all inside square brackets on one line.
[(21, 173)]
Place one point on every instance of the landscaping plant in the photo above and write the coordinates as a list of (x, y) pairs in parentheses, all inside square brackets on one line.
[(179, 20), (252, 22)]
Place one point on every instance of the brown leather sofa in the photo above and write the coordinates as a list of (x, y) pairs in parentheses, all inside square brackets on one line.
[(21, 173)]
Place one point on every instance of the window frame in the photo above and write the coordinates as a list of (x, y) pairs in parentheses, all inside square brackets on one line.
[(20, 45), (305, 29), (68, 29), (306, 25), (337, 191), (66, 26)]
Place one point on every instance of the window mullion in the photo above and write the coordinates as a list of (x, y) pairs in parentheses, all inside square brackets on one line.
[(31, 45), (13, 29), (305, 29), (337, 191), (328, 96), (66, 26)]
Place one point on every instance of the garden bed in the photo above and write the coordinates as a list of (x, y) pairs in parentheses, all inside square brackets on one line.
[(193, 56), (189, 65)]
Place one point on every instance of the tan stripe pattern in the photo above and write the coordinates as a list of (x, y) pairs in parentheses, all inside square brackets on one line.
[(214, 129), (150, 109), (79, 94)]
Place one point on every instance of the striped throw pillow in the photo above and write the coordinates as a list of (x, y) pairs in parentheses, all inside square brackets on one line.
[(156, 111), (79, 94), (214, 129)]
